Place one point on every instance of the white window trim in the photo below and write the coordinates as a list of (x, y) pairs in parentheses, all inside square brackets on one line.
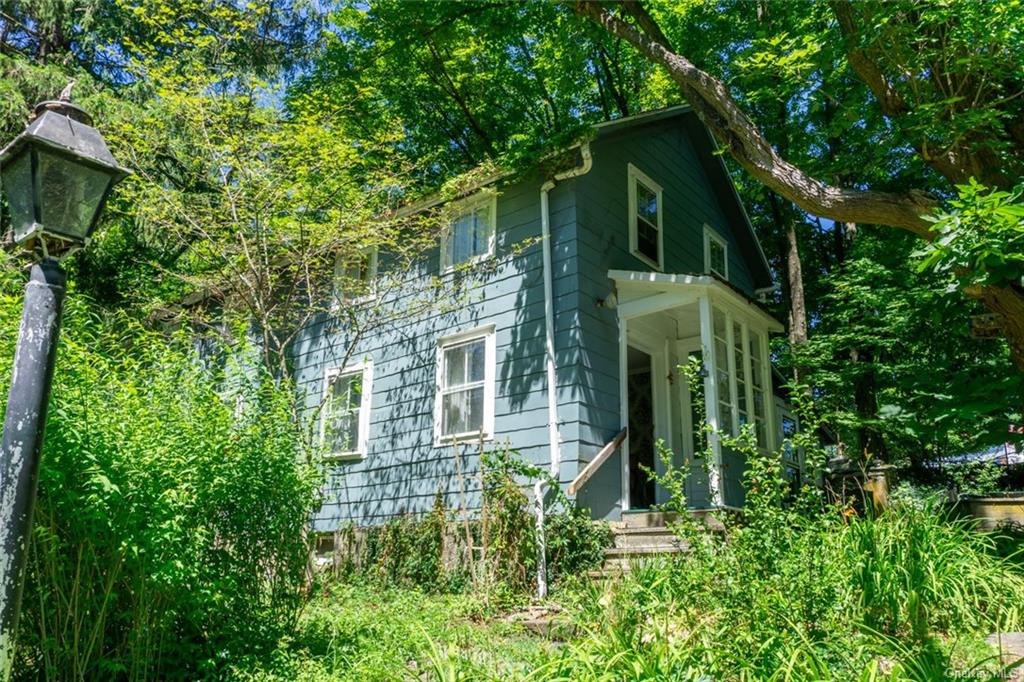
[(711, 234), (340, 298), (490, 361), (330, 374), (635, 175), (747, 329), (483, 198)]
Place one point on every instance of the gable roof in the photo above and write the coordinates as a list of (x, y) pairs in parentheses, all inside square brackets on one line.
[(711, 162), (713, 165)]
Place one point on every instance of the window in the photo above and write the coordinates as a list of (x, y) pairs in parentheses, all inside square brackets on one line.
[(757, 373), (792, 466), (345, 416), (470, 236), (355, 278), (740, 375), (716, 254), (465, 387), (645, 241), (723, 374)]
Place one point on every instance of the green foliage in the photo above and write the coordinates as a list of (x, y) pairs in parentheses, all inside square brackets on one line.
[(904, 596), (916, 571), (170, 502), (894, 364), (979, 238), (974, 477)]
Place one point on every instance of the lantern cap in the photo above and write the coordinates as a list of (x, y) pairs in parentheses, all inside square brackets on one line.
[(65, 128)]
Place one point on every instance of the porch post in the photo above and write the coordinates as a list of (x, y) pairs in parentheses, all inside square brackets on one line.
[(707, 340), (624, 411)]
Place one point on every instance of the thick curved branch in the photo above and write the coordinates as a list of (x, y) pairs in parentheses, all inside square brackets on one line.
[(947, 162), (712, 102)]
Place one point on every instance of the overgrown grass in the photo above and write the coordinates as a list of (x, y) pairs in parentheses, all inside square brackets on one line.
[(362, 631), (909, 595)]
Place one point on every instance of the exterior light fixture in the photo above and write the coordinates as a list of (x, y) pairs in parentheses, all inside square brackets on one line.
[(56, 176)]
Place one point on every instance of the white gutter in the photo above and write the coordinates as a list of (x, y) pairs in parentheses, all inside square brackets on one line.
[(554, 438)]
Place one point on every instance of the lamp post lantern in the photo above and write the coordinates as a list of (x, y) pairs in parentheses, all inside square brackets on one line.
[(56, 177)]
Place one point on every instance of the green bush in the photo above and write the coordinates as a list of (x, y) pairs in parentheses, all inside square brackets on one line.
[(169, 531)]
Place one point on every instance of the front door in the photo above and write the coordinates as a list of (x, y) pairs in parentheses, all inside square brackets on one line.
[(641, 416)]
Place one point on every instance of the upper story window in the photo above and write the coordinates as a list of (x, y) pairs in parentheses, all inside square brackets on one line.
[(470, 236), (464, 408), (716, 254), (345, 415), (645, 209), (355, 277)]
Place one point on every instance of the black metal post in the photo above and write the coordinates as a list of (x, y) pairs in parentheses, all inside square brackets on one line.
[(23, 439)]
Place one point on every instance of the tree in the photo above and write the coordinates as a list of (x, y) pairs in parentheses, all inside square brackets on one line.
[(946, 78)]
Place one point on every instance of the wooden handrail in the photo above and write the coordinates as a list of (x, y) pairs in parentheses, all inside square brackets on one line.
[(595, 464)]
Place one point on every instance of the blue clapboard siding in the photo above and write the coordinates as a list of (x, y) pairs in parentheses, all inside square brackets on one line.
[(665, 152), (403, 471)]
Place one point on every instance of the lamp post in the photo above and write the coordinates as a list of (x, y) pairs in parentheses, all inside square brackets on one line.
[(56, 177)]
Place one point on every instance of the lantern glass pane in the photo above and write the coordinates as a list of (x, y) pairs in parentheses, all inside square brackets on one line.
[(69, 194), (17, 179)]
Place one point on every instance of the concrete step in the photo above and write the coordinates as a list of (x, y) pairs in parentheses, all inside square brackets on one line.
[(657, 519), (647, 519), (643, 537), (623, 557)]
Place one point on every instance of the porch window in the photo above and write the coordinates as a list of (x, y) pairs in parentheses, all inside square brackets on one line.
[(354, 278), (723, 372), (470, 236), (757, 373), (465, 405), (645, 238), (345, 416), (740, 376), (716, 253)]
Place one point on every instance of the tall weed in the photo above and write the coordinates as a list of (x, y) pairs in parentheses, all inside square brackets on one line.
[(169, 529)]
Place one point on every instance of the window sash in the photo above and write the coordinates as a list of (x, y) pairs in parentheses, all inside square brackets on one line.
[(716, 253), (343, 421), (354, 279), (645, 217), (470, 235), (465, 388)]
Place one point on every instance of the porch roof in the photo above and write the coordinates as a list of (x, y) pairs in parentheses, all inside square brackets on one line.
[(641, 293)]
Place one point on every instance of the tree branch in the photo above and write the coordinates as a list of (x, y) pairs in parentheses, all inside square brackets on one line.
[(712, 102)]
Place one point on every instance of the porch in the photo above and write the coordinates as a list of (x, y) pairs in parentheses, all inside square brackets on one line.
[(663, 320)]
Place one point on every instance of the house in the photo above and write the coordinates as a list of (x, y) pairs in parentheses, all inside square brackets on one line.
[(641, 256)]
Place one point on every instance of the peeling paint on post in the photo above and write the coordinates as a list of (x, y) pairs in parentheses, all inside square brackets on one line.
[(23, 439)]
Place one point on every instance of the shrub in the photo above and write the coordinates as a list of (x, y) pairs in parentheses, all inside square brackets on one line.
[(169, 530)]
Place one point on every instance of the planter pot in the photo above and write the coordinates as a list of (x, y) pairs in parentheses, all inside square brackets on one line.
[(1000, 510)]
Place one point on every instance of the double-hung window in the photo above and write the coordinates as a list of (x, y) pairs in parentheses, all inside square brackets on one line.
[(645, 218), (345, 413), (464, 408), (741, 375), (470, 235), (716, 254), (355, 277)]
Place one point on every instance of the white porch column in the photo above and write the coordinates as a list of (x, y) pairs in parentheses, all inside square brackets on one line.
[(707, 340)]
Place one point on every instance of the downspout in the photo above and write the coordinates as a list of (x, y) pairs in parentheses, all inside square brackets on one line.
[(554, 439)]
